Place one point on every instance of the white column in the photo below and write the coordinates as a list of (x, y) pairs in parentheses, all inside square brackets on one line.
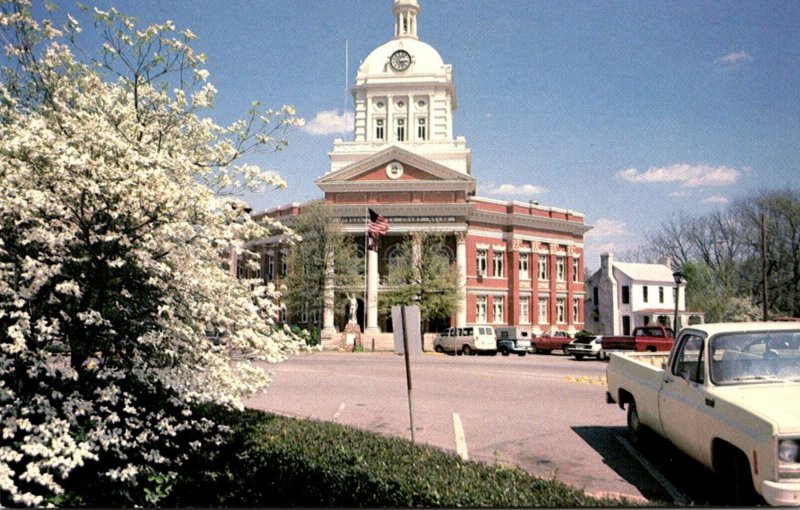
[(372, 294), (328, 332), (461, 263)]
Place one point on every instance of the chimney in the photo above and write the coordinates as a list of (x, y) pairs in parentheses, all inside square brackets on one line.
[(666, 260), (606, 260)]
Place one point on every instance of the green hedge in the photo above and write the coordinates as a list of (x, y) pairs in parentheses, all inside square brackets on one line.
[(277, 461)]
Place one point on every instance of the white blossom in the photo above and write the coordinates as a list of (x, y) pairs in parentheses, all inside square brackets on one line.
[(116, 216)]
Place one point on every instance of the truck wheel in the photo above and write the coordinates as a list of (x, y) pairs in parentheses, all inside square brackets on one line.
[(744, 494), (438, 349), (504, 351), (636, 431), (466, 350)]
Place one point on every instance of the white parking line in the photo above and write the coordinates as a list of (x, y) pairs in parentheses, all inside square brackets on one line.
[(461, 442), (339, 411), (673, 492)]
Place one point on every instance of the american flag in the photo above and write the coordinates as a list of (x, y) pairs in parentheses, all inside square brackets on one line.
[(377, 228)]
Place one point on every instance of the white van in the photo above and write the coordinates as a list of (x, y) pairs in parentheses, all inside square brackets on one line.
[(467, 340)]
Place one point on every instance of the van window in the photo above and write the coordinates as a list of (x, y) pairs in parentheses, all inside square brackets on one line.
[(467, 332)]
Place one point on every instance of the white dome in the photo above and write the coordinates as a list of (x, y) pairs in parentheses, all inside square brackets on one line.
[(424, 59)]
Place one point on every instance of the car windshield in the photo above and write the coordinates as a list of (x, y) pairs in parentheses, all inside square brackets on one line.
[(755, 357)]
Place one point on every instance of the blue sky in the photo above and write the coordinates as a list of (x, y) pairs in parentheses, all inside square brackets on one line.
[(627, 111)]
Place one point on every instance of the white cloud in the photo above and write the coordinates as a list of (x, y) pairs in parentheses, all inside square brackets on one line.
[(716, 199), (330, 122), (688, 176), (733, 59), (517, 189), (607, 228)]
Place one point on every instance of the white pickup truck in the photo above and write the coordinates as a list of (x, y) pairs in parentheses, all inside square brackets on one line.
[(727, 395)]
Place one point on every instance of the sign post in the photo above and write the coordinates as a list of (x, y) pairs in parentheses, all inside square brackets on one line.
[(406, 327)]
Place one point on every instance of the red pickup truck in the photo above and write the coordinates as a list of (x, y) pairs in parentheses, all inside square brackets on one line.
[(550, 342), (644, 339)]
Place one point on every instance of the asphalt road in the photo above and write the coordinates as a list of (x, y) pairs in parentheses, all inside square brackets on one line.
[(544, 413)]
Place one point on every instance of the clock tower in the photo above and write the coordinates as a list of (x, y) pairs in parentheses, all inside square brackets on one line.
[(404, 95)]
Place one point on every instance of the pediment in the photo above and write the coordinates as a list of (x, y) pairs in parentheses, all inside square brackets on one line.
[(374, 170)]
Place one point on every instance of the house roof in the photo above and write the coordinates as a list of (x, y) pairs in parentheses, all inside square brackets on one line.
[(646, 272)]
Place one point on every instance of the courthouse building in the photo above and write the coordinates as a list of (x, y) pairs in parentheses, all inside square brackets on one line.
[(521, 263)]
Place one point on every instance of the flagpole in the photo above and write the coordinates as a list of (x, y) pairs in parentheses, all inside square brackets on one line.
[(366, 266)]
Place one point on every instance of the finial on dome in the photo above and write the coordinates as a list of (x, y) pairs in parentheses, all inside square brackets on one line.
[(405, 12)]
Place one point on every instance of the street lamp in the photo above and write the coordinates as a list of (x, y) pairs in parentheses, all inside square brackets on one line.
[(679, 279)]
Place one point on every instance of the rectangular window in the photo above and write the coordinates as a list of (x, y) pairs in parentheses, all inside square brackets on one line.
[(481, 260), (422, 129), (524, 309), (544, 310), (480, 309), (497, 263), (401, 130), (560, 311), (284, 264), (543, 269), (645, 291), (576, 311), (576, 267), (626, 295), (270, 267), (523, 265), (661, 294), (498, 309), (304, 314), (595, 296), (560, 269), (380, 132)]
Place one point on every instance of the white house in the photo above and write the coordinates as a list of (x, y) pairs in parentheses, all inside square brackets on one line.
[(622, 296)]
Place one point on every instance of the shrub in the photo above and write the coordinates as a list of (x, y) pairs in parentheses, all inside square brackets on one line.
[(276, 461)]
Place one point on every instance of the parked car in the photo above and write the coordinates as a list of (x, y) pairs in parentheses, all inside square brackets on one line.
[(514, 339), (550, 342), (586, 346), (467, 340)]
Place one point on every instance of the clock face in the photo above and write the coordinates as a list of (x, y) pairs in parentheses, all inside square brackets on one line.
[(394, 170), (400, 60)]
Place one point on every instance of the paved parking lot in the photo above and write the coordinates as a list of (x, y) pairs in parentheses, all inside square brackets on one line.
[(544, 413)]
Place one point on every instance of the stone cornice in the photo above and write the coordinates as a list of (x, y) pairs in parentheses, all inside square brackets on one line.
[(532, 222), (399, 185)]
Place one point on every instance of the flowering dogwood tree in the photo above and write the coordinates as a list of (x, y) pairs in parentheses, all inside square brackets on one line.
[(117, 211)]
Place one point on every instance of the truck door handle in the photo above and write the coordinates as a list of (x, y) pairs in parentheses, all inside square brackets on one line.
[(710, 402)]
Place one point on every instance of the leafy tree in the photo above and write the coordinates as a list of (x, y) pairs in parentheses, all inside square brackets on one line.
[(423, 274), (117, 211), (704, 291), (324, 257)]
